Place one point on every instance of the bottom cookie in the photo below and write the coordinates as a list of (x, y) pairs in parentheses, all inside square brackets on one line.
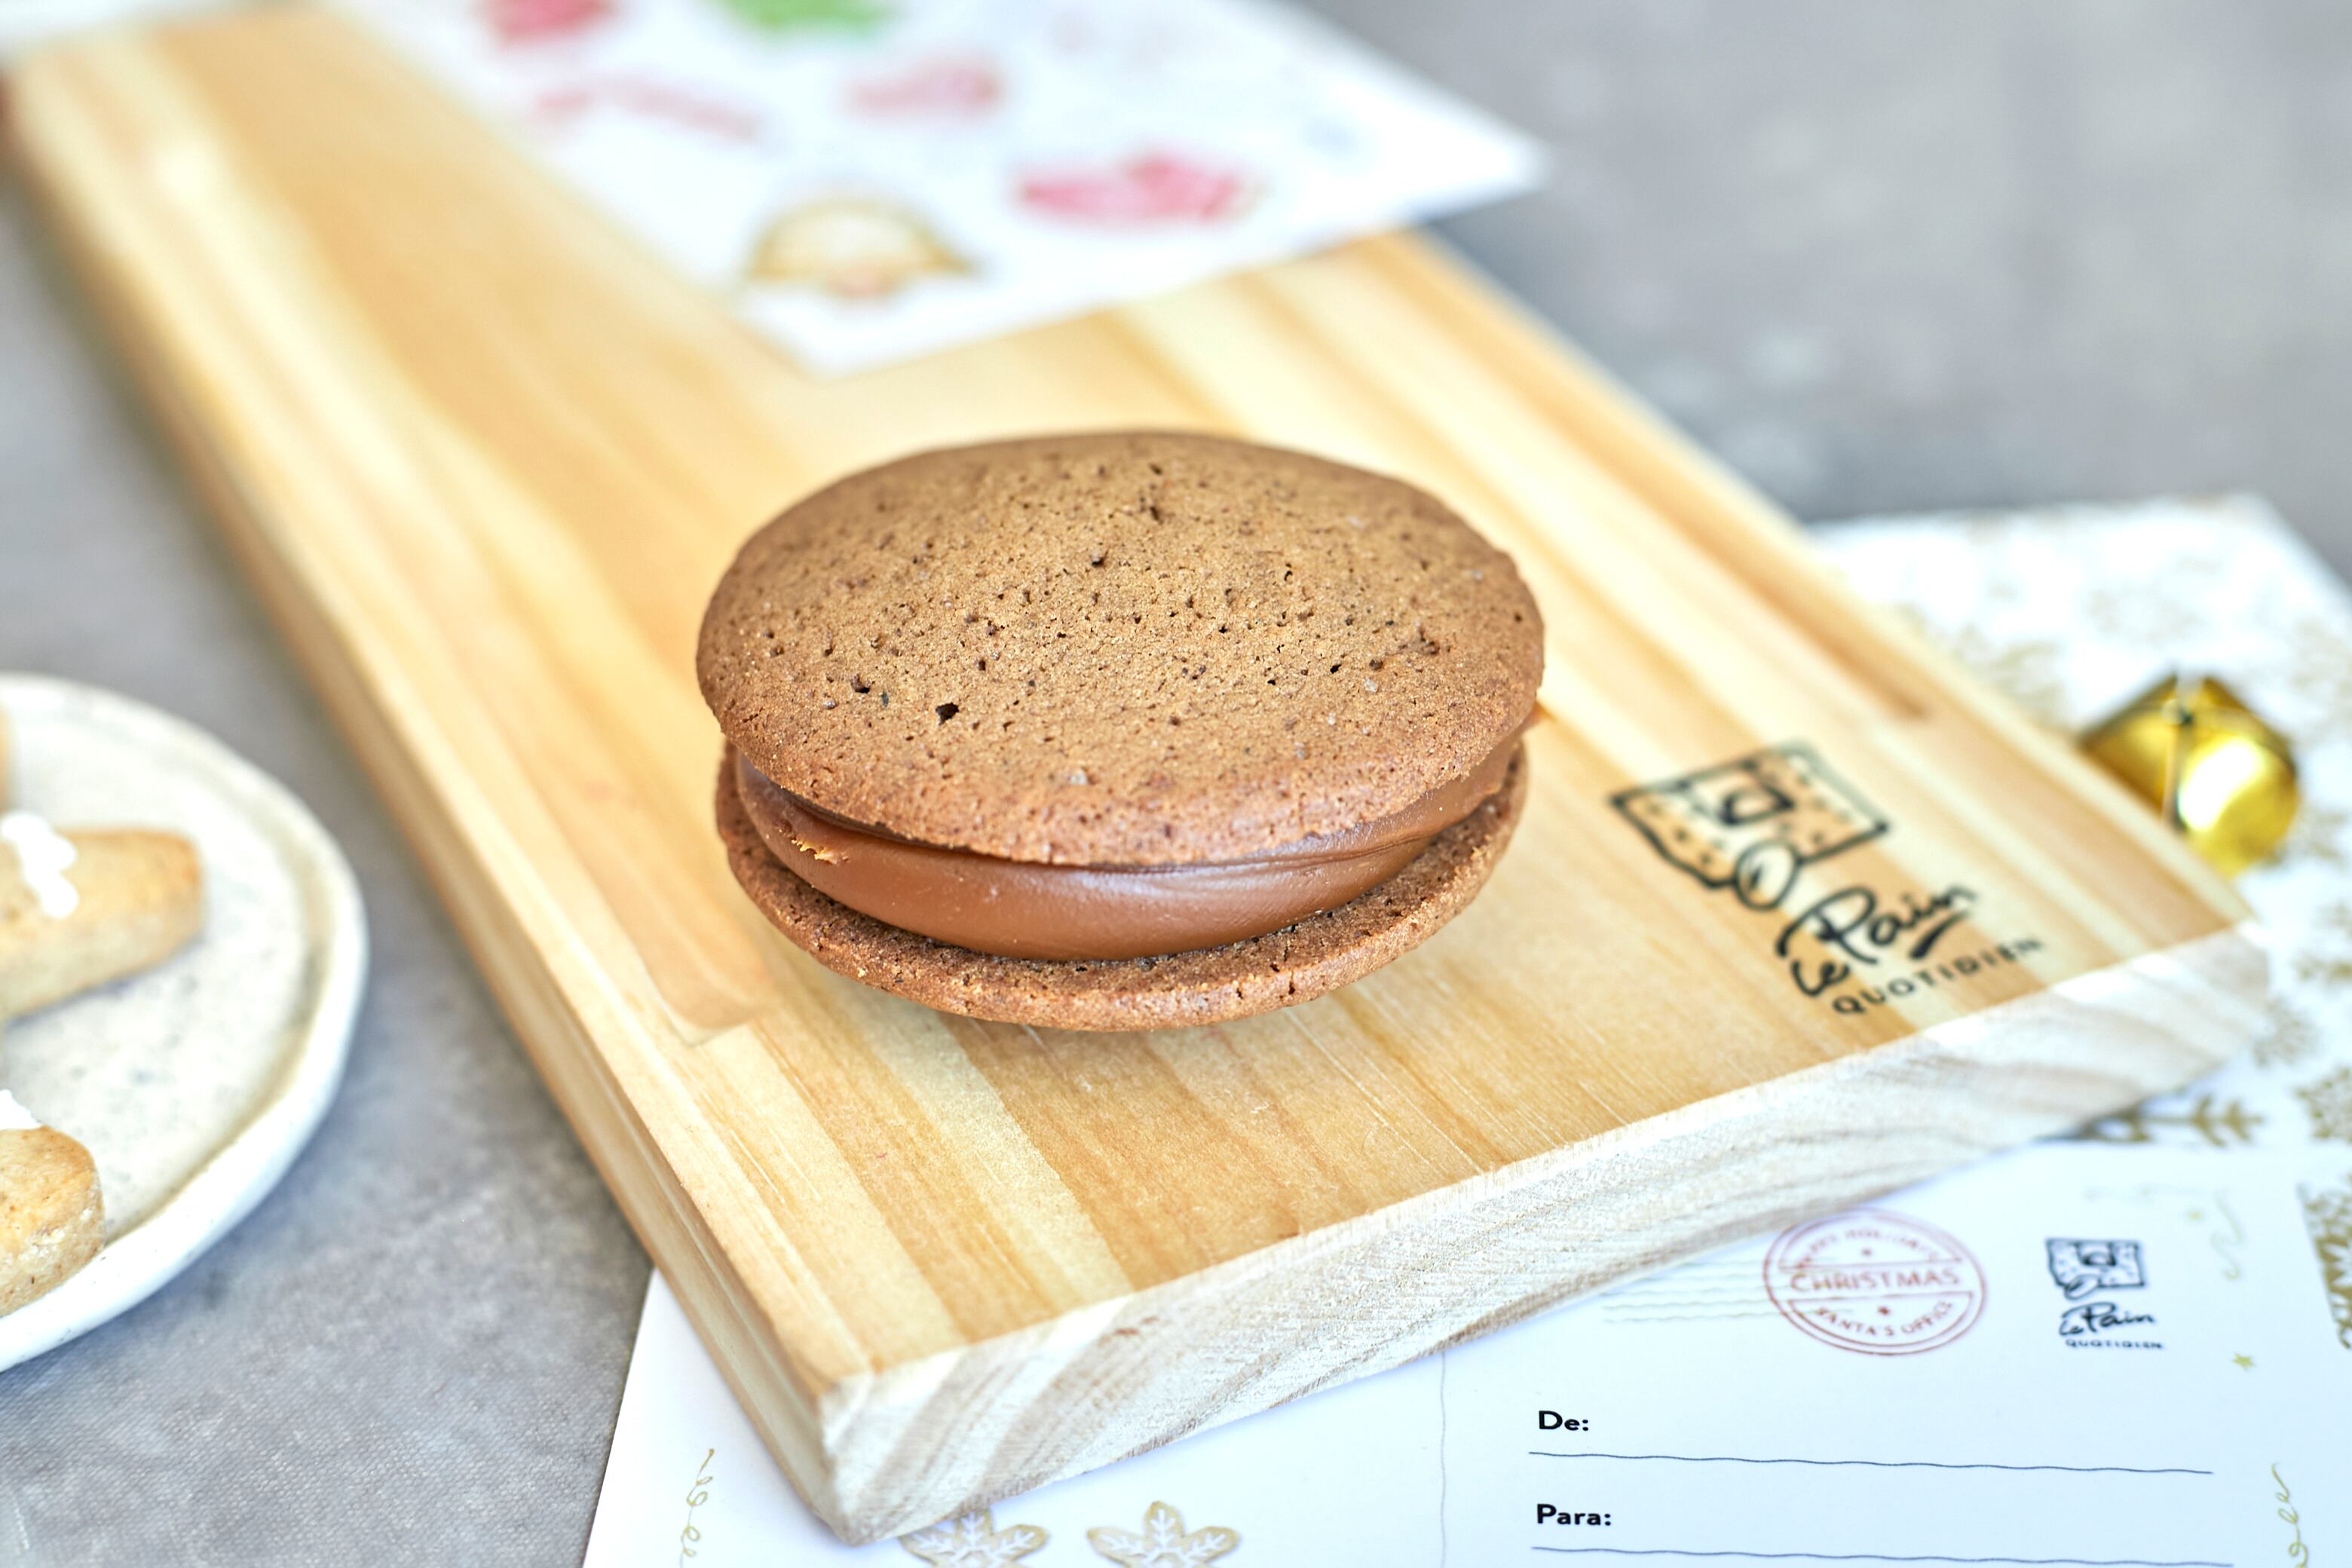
[(1213, 985)]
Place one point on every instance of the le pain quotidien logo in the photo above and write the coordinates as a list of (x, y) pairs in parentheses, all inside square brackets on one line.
[(1760, 828)]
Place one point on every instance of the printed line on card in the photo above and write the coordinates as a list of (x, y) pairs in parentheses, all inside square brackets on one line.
[(1878, 1557), (1882, 1465)]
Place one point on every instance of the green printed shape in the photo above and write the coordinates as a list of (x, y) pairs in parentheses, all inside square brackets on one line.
[(791, 16)]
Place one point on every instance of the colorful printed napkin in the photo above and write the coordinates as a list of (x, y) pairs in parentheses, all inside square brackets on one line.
[(871, 180)]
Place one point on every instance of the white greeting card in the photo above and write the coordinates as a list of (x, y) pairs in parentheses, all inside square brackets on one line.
[(1939, 1378)]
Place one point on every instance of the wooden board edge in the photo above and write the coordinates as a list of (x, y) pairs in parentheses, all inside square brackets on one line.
[(964, 1429)]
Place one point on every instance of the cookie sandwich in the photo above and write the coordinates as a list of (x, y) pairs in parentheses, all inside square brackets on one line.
[(1117, 730)]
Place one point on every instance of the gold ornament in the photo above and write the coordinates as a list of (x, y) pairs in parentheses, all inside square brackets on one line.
[(2221, 777)]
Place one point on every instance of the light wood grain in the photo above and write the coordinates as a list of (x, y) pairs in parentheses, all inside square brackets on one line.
[(485, 460)]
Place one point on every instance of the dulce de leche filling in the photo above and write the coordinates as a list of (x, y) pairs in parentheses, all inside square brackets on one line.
[(1022, 909)]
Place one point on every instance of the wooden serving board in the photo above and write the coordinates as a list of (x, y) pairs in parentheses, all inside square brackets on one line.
[(485, 460)]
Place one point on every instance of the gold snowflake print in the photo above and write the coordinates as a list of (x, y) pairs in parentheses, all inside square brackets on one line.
[(2333, 968), (972, 1541), (2322, 834), (2329, 1214), (2025, 671), (2289, 1038), (1164, 1543), (2330, 1101)]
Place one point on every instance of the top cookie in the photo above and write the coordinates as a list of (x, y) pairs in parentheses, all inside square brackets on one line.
[(1132, 649)]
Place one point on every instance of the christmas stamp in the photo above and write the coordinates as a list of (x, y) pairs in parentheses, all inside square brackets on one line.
[(1875, 1282)]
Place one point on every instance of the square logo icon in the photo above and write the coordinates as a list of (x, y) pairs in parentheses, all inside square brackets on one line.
[(2079, 1268)]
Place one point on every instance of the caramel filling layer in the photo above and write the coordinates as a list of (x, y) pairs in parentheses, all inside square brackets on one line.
[(1022, 909)]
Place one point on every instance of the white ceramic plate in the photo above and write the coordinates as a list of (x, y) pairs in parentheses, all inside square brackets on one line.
[(194, 1084)]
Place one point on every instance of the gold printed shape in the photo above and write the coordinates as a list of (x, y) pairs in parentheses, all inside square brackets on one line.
[(2218, 1125), (2332, 966), (972, 1541), (2330, 1101), (2327, 1214), (2226, 1234), (2297, 1552), (1164, 1543)]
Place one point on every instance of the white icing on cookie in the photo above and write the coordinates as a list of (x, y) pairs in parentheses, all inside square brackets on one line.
[(42, 856), (14, 1118)]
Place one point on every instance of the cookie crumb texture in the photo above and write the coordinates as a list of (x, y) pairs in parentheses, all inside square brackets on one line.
[(52, 1217), (1118, 649), (1213, 985)]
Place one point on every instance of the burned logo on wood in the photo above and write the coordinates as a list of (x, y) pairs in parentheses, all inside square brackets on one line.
[(1754, 826)]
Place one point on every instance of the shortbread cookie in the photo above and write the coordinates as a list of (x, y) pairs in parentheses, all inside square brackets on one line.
[(52, 1216), (79, 908)]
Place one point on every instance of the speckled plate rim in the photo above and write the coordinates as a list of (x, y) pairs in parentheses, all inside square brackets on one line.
[(241, 1172)]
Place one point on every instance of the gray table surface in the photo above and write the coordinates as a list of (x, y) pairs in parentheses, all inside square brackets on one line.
[(1881, 257)]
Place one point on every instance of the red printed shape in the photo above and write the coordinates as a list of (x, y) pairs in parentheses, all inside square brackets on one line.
[(1875, 1283), (687, 108), (1150, 189), (540, 21), (948, 88)]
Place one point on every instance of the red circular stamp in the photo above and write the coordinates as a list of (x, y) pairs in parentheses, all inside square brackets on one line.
[(1875, 1282)]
